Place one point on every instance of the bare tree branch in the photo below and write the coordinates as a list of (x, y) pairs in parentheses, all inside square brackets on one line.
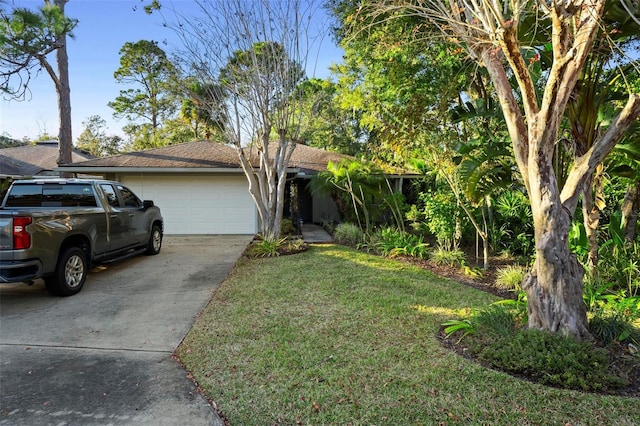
[(256, 52)]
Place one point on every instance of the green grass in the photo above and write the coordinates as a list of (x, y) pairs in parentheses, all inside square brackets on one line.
[(336, 336)]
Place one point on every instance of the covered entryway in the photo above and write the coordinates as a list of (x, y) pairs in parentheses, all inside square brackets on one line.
[(198, 203)]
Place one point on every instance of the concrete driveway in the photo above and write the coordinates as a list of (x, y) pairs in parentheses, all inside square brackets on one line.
[(104, 356)]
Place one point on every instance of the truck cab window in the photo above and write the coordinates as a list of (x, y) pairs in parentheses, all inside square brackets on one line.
[(130, 199), (110, 193), (51, 195)]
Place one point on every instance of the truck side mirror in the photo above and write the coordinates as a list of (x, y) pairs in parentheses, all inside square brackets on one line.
[(147, 203)]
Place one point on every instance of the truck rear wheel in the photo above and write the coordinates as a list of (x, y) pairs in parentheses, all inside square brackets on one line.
[(70, 275)]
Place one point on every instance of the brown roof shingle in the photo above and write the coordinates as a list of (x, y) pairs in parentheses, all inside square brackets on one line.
[(33, 159), (200, 154), (206, 154)]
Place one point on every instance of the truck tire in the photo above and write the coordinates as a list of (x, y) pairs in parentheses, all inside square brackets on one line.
[(70, 274), (155, 241)]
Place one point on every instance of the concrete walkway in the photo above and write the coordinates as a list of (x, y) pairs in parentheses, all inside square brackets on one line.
[(104, 356), (315, 234)]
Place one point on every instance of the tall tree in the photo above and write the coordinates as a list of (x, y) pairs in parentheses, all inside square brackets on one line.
[(253, 53), (146, 67), (398, 91), (27, 39), (94, 139), (326, 125), (489, 31)]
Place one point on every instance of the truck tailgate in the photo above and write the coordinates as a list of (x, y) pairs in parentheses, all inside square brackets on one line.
[(6, 231)]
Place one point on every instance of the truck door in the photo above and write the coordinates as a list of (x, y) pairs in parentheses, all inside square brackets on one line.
[(119, 219), (138, 223)]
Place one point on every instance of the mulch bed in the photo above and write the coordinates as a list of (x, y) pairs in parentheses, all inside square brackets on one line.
[(621, 359)]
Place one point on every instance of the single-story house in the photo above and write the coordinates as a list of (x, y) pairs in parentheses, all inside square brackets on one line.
[(201, 188), (39, 159)]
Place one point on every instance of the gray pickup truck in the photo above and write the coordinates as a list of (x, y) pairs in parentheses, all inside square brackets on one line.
[(57, 229)]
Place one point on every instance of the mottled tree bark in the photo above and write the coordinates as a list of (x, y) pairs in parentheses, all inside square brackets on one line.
[(592, 203), (630, 208), (554, 284)]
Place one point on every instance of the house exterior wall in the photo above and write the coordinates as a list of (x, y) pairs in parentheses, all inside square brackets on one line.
[(198, 203), (324, 209)]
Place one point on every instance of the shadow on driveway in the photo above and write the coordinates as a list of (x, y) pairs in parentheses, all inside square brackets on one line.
[(104, 356)]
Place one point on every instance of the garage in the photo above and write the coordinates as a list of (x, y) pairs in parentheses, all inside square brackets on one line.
[(198, 203)]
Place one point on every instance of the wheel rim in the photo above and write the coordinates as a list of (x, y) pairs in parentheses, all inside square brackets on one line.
[(74, 271), (157, 240)]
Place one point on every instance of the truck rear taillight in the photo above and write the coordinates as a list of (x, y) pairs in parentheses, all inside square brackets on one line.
[(21, 238)]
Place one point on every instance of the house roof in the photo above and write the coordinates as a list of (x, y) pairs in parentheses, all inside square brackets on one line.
[(30, 160), (310, 160), (13, 167), (202, 157), (190, 155), (198, 156)]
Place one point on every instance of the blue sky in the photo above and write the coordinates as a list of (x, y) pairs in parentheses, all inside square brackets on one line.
[(104, 26)]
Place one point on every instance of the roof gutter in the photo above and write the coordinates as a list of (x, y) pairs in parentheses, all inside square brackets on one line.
[(138, 170)]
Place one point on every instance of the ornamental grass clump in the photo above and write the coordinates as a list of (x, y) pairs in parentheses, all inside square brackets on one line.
[(392, 242), (349, 234), (443, 256), (510, 277)]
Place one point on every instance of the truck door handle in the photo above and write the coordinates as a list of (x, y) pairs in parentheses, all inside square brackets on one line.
[(113, 216)]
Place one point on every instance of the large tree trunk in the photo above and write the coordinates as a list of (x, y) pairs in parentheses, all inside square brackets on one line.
[(630, 208), (267, 183), (554, 285), (64, 96)]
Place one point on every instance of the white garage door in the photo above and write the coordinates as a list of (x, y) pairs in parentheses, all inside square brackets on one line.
[(199, 204)]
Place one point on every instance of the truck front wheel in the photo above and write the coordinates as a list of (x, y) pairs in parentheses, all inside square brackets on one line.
[(155, 241), (70, 274)]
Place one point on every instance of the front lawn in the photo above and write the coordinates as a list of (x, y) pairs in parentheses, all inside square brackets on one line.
[(336, 336)]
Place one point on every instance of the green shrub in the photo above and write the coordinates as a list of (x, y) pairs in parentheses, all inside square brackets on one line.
[(266, 247), (287, 227), (394, 242), (513, 211), (619, 264), (612, 328), (329, 226), (496, 337), (297, 244), (499, 320), (462, 327), (552, 360), (603, 298), (510, 277), (272, 248), (348, 234), (442, 256), (472, 271), (441, 215)]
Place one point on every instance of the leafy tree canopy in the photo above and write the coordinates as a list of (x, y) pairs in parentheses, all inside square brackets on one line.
[(145, 66), (26, 38)]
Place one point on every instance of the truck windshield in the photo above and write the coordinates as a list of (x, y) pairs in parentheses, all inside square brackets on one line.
[(51, 195)]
